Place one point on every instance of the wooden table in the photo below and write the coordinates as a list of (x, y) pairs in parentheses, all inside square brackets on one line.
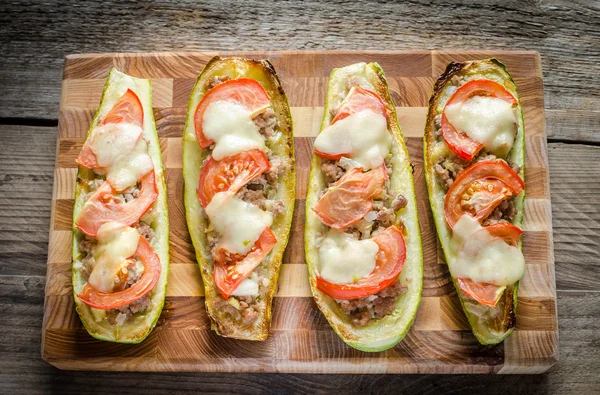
[(35, 39)]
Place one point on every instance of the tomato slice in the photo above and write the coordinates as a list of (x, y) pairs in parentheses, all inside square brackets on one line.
[(479, 189), (358, 99), (462, 145), (326, 155), (481, 87), (101, 208), (127, 109), (509, 232), (230, 173), (86, 157), (244, 91), (351, 197), (152, 268), (484, 293), (390, 260), (229, 272)]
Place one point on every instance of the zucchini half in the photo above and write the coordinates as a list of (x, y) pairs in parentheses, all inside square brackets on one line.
[(489, 325), (391, 329), (197, 221), (137, 330)]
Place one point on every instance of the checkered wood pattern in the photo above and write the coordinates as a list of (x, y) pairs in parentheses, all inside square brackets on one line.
[(301, 339)]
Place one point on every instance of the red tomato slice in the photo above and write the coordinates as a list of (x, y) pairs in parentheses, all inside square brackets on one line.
[(244, 91), (481, 87), (326, 155), (351, 197), (230, 271), (86, 157), (390, 260), (484, 293), (358, 99), (101, 208), (152, 268), (127, 109), (509, 232), (479, 189), (230, 173), (462, 145)]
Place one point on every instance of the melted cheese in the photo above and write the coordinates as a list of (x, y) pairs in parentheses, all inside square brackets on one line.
[(364, 135), (116, 243), (238, 222), (344, 259), (248, 287), (487, 120), (122, 152), (231, 127), (482, 257)]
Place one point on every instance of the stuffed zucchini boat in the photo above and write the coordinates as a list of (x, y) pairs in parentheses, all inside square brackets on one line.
[(120, 219), (240, 176), (474, 167), (362, 240)]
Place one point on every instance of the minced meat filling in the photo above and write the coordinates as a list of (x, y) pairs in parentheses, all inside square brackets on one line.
[(332, 171), (504, 213), (447, 169), (245, 309), (258, 198), (145, 230), (260, 192), (266, 122), (383, 215), (87, 247), (364, 310), (384, 207), (214, 81), (126, 313), (128, 195)]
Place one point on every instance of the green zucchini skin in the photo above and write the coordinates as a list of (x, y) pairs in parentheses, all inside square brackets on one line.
[(391, 329), (193, 157), (500, 322), (134, 332)]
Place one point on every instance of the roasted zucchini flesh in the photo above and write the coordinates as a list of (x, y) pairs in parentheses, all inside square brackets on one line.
[(241, 317), (490, 324), (374, 333), (133, 322)]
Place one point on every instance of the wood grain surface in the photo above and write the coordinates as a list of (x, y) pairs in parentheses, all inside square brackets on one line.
[(565, 32), (300, 340), (36, 36)]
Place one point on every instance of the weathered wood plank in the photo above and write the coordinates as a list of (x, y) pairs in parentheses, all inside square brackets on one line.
[(27, 157), (31, 69), (575, 189)]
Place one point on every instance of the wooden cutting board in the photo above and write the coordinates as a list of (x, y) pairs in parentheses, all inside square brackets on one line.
[(301, 339)]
